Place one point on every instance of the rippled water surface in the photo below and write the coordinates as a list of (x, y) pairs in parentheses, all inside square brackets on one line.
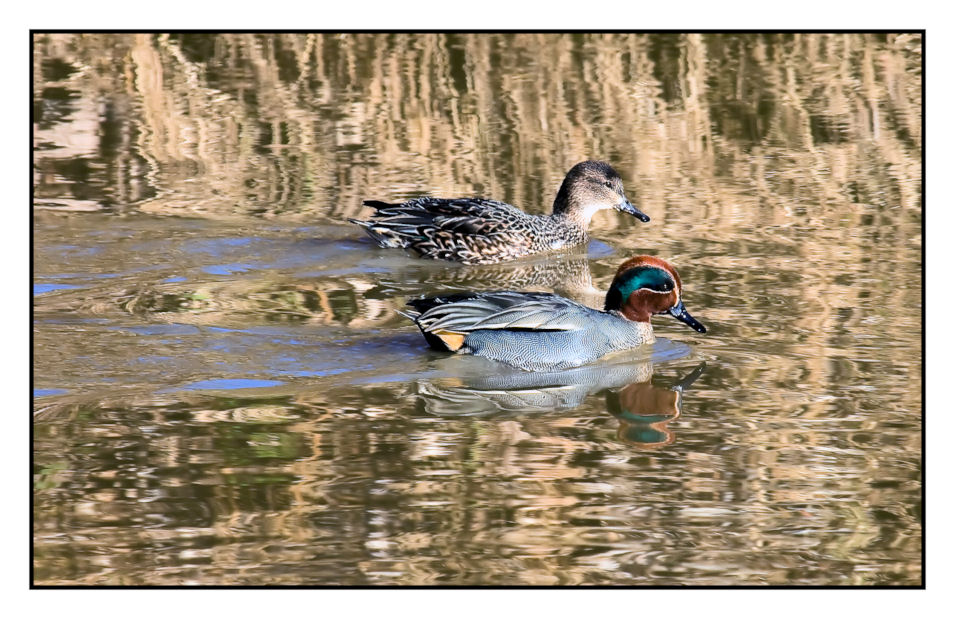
[(225, 394)]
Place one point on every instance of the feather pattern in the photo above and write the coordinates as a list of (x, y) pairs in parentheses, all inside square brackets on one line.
[(540, 331), (484, 231), (468, 230), (505, 310), (529, 330)]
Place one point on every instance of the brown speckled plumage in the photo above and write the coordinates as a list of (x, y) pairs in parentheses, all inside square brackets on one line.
[(482, 231)]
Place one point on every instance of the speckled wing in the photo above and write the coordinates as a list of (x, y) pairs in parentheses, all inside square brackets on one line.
[(469, 230), (518, 311)]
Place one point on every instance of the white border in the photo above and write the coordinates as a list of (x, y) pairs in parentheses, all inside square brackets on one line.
[(490, 14)]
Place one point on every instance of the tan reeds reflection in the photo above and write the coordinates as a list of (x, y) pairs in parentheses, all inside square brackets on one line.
[(310, 125), (783, 176)]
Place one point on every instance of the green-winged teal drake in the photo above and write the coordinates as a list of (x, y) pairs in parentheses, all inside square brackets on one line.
[(541, 331), (482, 231)]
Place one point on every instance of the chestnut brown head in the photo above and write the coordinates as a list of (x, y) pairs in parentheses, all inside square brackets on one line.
[(644, 286)]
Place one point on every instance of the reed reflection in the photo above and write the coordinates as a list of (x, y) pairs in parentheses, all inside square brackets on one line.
[(190, 194)]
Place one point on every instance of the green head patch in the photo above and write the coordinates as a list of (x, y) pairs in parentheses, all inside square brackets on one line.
[(637, 278)]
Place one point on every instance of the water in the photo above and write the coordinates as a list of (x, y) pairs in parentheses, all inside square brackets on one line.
[(225, 394)]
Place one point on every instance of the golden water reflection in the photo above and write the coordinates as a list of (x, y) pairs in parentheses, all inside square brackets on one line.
[(224, 393)]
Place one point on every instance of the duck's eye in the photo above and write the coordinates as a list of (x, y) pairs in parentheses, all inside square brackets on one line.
[(608, 184)]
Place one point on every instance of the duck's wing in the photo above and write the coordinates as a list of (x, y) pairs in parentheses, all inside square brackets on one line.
[(457, 209), (465, 230), (515, 311)]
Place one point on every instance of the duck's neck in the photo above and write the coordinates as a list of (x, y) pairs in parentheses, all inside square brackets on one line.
[(569, 210), (637, 332), (576, 215)]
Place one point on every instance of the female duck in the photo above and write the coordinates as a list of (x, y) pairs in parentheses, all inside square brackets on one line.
[(539, 331), (482, 231)]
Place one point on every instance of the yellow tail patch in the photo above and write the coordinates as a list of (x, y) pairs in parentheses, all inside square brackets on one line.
[(451, 339)]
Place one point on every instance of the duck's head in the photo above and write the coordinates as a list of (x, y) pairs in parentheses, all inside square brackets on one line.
[(646, 285), (592, 186)]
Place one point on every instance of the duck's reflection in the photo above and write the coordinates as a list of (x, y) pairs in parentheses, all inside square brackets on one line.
[(643, 409), (566, 274)]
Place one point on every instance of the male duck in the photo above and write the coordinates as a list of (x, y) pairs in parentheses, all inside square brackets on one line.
[(482, 231), (540, 331)]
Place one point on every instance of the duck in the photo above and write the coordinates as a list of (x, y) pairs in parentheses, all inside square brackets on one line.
[(484, 231), (538, 331)]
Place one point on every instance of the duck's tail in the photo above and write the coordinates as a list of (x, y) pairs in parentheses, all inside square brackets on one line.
[(439, 339), (384, 235), (396, 229), (378, 204), (412, 316)]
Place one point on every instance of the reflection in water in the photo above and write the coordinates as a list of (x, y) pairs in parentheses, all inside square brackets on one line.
[(566, 273), (225, 395), (643, 409), (307, 126), (502, 388)]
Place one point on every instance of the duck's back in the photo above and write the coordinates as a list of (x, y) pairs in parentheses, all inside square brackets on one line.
[(468, 230)]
